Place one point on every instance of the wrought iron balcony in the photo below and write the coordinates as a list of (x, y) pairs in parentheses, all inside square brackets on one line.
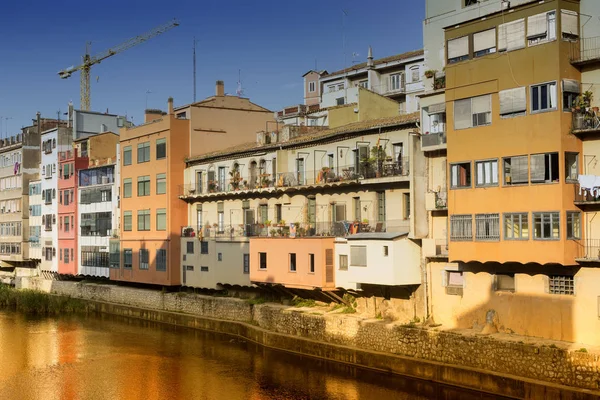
[(586, 120), (585, 51), (589, 251)]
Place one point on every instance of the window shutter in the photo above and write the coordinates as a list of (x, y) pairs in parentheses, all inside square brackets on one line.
[(511, 35), (537, 25), (537, 167), (571, 86), (518, 169), (458, 47), (513, 101), (480, 174), (484, 40), (328, 265), (494, 176), (358, 256), (462, 114), (436, 108), (482, 104), (569, 23)]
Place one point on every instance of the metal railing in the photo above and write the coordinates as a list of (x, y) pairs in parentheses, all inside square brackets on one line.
[(299, 230), (586, 119), (585, 50), (365, 170), (590, 250), (585, 195), (433, 139)]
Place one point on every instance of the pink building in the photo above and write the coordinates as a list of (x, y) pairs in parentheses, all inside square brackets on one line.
[(69, 164)]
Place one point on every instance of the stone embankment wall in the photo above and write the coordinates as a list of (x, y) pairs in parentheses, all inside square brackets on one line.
[(551, 364)]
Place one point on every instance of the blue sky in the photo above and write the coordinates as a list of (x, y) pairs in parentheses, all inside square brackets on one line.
[(272, 42)]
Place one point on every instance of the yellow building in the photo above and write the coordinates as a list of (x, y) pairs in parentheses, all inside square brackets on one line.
[(515, 232)]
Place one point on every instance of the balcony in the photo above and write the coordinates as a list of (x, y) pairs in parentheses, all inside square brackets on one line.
[(433, 141), (586, 121), (589, 251), (439, 81), (587, 197), (585, 51), (368, 169), (295, 229), (436, 201), (435, 248), (292, 111)]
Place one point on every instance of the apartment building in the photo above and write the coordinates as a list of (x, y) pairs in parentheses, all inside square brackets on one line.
[(53, 142), (273, 209), (151, 172), (98, 202), (222, 118), (515, 231), (89, 123), (35, 220)]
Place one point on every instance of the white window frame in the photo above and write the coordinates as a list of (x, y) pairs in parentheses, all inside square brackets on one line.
[(395, 82), (413, 70), (554, 107), (493, 181)]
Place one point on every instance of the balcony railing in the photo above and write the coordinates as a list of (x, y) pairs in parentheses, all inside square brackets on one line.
[(586, 196), (323, 229), (586, 120), (365, 170), (433, 139), (585, 50), (589, 251)]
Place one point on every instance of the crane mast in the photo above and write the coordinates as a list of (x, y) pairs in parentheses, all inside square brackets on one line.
[(88, 60)]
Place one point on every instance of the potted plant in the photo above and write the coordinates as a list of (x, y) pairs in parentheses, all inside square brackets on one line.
[(273, 232), (430, 73), (282, 222), (235, 178), (212, 186), (267, 223)]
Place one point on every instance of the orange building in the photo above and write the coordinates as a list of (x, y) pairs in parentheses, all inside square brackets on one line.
[(152, 164)]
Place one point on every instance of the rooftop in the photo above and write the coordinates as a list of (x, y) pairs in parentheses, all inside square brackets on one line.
[(314, 135), (397, 57)]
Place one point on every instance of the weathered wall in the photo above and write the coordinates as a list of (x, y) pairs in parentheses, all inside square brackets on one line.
[(550, 364)]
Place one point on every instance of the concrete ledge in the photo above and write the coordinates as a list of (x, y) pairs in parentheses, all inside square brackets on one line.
[(464, 377)]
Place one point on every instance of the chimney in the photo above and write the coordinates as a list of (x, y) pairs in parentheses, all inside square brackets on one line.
[(170, 101), (38, 117), (220, 89), (70, 124), (370, 58)]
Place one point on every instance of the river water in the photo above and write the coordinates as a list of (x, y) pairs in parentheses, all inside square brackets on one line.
[(106, 357)]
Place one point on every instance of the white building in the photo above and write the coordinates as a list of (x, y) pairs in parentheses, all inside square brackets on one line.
[(53, 141)]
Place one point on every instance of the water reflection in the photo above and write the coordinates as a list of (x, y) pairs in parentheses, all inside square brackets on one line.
[(109, 357)]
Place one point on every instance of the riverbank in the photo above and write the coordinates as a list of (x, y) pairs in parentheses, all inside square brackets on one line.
[(484, 363), (32, 302)]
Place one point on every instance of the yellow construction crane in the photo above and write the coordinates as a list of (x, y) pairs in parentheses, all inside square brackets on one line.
[(88, 60)]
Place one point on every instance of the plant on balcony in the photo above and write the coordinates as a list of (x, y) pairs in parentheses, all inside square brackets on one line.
[(273, 232), (215, 225), (212, 186), (439, 83), (282, 222), (236, 178), (267, 223), (430, 73), (265, 181), (188, 232)]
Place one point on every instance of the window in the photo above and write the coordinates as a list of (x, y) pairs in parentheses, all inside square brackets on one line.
[(98, 224), (386, 251), (161, 260), (127, 188), (511, 36), (278, 214), (569, 25), (571, 166), (460, 175), (504, 282), (292, 262), (66, 256), (219, 256), (312, 86), (143, 152), (516, 170), (396, 81), (571, 90), (143, 220), (458, 49), (198, 187), (203, 247), (541, 28), (181, 115), (546, 226), (143, 183), (199, 217), (343, 262), (96, 195), (311, 263), (96, 176), (127, 258), (357, 210), (414, 74), (573, 225), (161, 183), (203, 269), (144, 258), (484, 42), (461, 227), (363, 84), (190, 247), (543, 97), (189, 267), (544, 168), (115, 254), (246, 263), (454, 282), (262, 260), (127, 221), (339, 101), (473, 112), (161, 148), (487, 227), (358, 256), (406, 205), (516, 226), (513, 102), (127, 155), (381, 217), (161, 219), (486, 173), (561, 284)]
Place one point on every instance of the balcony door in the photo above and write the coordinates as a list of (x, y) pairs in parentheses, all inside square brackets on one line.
[(300, 173)]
